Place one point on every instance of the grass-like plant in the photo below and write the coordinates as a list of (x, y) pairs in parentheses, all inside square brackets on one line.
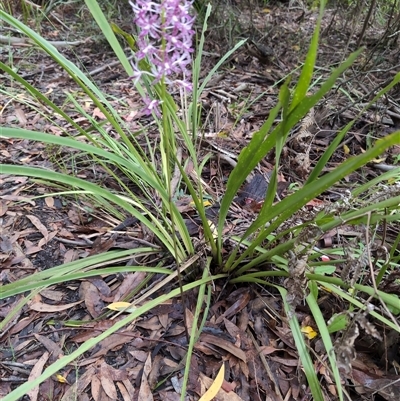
[(161, 55)]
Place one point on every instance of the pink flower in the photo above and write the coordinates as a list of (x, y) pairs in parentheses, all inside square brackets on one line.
[(165, 40)]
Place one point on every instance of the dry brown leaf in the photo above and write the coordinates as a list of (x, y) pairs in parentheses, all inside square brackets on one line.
[(91, 296), (241, 302), (54, 349), (145, 393), (104, 289), (244, 367), (268, 349), (47, 239), (49, 201), (169, 396), (20, 114), (3, 208), (112, 373), (31, 248), (17, 324), (42, 307), (203, 348), (124, 392), (188, 319), (38, 224), (285, 361), (65, 233), (96, 388), (99, 114), (71, 255), (108, 386), (131, 281), (52, 294), (129, 117), (151, 324), (100, 246), (234, 331), (5, 388), (92, 329), (35, 373), (155, 371), (387, 387), (79, 386), (226, 345), (111, 342), (75, 216), (128, 385), (6, 244), (26, 263), (327, 375), (19, 199), (164, 320), (139, 355)]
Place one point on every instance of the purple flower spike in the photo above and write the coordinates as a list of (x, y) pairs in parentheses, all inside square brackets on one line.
[(152, 106), (165, 39)]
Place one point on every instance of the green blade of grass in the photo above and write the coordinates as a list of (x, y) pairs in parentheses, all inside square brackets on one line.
[(153, 225), (353, 217), (288, 206), (301, 347), (258, 148), (147, 174), (308, 68), (39, 96), (23, 285), (247, 160), (67, 65), (389, 299), (326, 338), (87, 345), (335, 143), (322, 162), (195, 330), (105, 27), (95, 94)]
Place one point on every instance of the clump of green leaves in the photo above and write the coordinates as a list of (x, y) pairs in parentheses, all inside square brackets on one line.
[(153, 205)]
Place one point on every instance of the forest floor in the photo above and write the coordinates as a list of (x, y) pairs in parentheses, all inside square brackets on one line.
[(246, 327)]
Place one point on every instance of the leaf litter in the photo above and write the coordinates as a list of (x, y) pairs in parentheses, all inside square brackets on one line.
[(246, 331)]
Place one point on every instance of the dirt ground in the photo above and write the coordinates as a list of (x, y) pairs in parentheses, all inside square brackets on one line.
[(246, 326)]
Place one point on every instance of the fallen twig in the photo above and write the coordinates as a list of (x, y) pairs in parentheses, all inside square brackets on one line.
[(28, 42)]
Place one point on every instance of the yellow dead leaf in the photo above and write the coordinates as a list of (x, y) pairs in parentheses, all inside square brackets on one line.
[(309, 332), (326, 289), (206, 203), (377, 161), (213, 229), (122, 306), (266, 10), (215, 387), (61, 379)]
